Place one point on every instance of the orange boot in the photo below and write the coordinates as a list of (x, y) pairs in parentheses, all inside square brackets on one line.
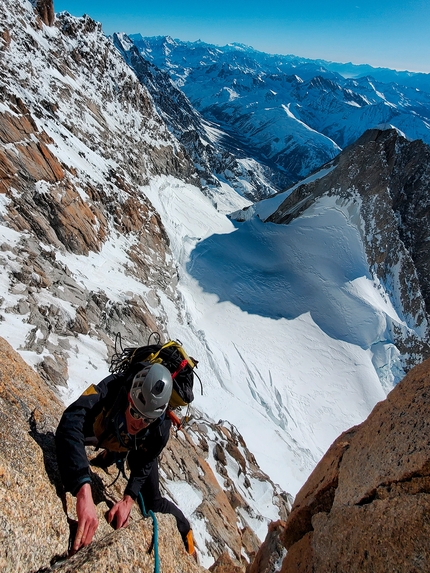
[(189, 545)]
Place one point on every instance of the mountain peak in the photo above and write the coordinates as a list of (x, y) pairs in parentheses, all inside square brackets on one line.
[(384, 178), (239, 46)]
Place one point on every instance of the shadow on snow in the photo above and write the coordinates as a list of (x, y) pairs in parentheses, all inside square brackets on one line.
[(284, 271)]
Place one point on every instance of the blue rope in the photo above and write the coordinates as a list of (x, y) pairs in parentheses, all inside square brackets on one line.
[(150, 513)]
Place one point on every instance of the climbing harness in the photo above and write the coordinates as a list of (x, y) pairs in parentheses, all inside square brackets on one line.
[(154, 544)]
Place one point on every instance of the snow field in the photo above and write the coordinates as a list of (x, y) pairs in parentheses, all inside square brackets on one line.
[(282, 319)]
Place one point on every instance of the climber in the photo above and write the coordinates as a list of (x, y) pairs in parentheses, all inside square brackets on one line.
[(126, 416)]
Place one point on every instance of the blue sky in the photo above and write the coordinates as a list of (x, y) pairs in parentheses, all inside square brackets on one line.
[(382, 33)]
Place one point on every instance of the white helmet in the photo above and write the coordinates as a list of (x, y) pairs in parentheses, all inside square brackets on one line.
[(151, 390)]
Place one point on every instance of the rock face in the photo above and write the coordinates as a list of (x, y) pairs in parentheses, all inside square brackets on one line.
[(271, 553), (385, 177), (37, 518), (365, 508), (75, 145), (45, 9), (30, 508)]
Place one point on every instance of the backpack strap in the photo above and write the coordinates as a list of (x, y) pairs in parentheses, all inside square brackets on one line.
[(154, 357), (174, 418), (180, 367)]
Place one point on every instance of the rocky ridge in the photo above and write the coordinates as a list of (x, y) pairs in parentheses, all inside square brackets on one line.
[(386, 178), (51, 214), (71, 166)]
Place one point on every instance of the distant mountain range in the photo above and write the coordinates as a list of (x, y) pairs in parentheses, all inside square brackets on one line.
[(416, 80), (291, 114)]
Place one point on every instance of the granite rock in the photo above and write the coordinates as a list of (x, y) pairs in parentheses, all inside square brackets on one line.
[(365, 508)]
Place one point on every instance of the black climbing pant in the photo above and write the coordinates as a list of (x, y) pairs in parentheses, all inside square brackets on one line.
[(153, 499)]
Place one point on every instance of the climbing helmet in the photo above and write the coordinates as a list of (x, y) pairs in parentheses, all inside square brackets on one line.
[(151, 390)]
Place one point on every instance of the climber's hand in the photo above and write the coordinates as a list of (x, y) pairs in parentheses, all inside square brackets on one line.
[(87, 518), (120, 512)]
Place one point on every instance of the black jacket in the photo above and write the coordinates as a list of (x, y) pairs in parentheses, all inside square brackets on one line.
[(97, 417)]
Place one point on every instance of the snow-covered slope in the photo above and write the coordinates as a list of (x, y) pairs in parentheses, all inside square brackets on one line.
[(208, 146), (293, 112), (104, 229), (282, 319)]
